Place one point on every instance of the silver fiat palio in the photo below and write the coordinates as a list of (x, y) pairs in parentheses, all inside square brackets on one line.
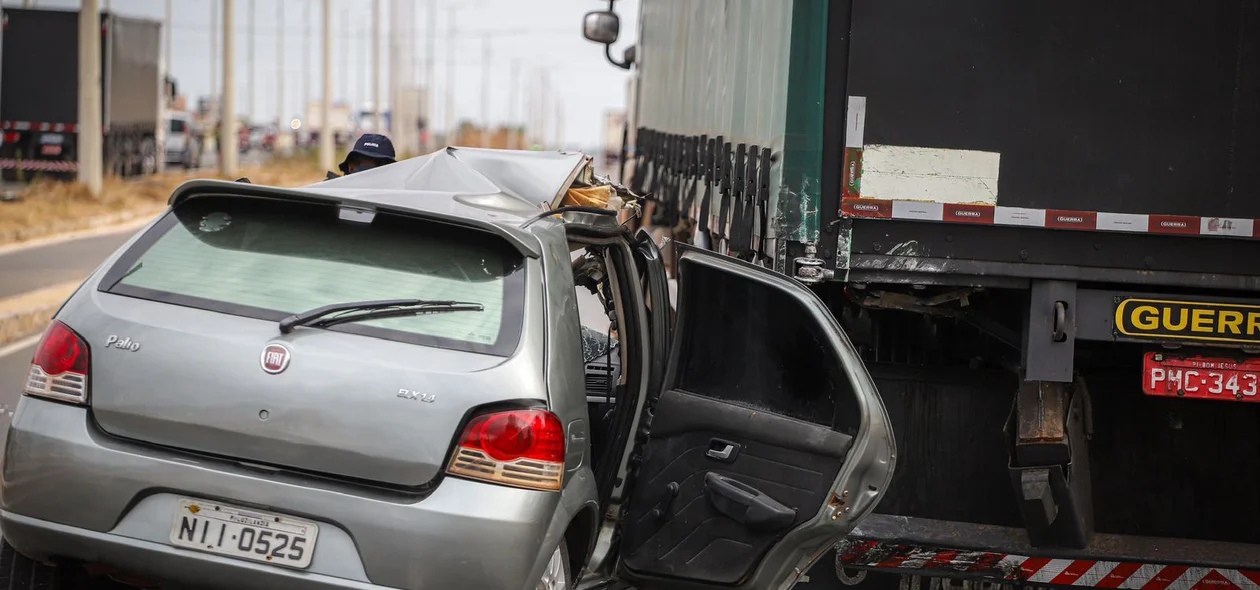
[(395, 379)]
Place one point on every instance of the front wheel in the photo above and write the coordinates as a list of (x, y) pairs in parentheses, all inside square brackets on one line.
[(556, 575)]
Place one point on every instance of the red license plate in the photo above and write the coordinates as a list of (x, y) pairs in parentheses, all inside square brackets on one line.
[(50, 150), (1202, 377)]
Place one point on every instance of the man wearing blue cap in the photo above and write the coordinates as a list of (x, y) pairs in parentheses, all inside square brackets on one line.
[(370, 151)]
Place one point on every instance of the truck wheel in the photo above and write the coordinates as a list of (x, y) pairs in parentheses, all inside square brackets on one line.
[(148, 156)]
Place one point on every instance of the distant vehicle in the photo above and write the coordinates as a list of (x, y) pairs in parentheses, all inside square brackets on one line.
[(342, 121), (183, 140), (268, 140), (248, 396), (39, 107), (245, 138), (365, 122), (257, 137)]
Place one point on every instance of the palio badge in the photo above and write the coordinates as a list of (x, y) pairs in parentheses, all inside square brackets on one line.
[(1161, 319), (121, 343)]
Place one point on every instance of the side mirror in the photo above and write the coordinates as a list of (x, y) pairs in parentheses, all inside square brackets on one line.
[(601, 26)]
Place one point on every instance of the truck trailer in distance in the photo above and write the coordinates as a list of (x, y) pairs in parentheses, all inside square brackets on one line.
[(1039, 222), (39, 93)]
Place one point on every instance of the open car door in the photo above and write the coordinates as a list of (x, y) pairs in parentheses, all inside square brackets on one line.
[(768, 441)]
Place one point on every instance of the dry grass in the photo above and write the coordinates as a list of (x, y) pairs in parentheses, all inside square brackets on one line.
[(47, 207)]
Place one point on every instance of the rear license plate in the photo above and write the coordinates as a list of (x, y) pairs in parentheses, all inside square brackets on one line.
[(52, 138), (1200, 377), (244, 534), (50, 150)]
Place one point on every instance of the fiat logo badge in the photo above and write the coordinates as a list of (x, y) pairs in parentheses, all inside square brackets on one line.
[(275, 358)]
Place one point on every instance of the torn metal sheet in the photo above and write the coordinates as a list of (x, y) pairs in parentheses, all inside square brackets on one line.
[(537, 179)]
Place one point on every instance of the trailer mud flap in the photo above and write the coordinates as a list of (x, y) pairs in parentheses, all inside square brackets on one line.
[(1049, 462)]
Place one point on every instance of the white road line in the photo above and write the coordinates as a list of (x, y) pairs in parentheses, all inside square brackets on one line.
[(20, 345)]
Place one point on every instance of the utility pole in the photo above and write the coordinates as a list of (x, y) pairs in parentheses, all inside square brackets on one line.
[(253, 79), (544, 124), (347, 77), (485, 90), (365, 69), (229, 137), (169, 33), (451, 116), (280, 73), (513, 112), (531, 110), (378, 123), (304, 109), (420, 81), (165, 107), (325, 107), (430, 113), (214, 53), (91, 143), (559, 142), (395, 71)]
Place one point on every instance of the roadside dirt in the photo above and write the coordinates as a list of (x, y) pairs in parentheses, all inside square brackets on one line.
[(47, 208), (28, 313)]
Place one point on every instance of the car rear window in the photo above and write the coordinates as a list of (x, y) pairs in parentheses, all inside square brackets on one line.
[(269, 258), (177, 126)]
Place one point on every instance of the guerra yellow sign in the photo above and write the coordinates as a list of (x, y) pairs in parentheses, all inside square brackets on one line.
[(1188, 320)]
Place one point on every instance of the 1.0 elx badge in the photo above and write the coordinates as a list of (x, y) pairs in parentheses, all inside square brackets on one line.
[(275, 358)]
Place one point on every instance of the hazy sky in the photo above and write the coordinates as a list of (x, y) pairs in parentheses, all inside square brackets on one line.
[(537, 33)]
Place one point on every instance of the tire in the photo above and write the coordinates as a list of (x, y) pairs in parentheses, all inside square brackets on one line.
[(148, 157), (557, 575), (19, 572)]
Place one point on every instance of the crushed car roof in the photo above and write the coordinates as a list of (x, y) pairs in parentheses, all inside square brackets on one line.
[(492, 189), (537, 179)]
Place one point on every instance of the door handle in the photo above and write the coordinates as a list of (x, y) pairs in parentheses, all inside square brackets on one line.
[(722, 450), (747, 505)]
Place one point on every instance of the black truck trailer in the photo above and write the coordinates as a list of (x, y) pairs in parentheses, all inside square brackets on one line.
[(1038, 220), (39, 93)]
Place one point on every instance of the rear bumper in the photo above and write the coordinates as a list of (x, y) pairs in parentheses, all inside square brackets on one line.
[(33, 537), (964, 550), (70, 491)]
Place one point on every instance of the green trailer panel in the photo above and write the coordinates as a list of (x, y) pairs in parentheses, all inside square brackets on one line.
[(748, 70)]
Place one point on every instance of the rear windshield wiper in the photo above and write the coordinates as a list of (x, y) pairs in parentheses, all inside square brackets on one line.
[(372, 310)]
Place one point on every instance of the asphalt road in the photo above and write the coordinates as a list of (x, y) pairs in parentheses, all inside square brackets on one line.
[(36, 268)]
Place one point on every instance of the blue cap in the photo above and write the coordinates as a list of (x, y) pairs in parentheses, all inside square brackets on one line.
[(371, 145)]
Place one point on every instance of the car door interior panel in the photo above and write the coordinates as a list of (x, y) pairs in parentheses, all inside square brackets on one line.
[(754, 423), (709, 518)]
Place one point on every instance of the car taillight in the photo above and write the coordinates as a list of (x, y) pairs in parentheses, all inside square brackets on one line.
[(60, 368), (11, 137), (521, 448)]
